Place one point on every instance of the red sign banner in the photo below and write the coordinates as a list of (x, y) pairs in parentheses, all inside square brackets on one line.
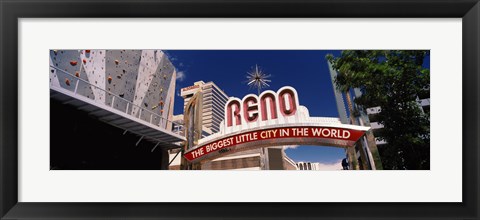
[(190, 87), (301, 134)]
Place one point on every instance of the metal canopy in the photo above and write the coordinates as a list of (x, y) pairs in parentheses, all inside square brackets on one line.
[(151, 132)]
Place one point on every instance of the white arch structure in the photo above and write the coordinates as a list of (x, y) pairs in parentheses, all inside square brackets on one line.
[(272, 119)]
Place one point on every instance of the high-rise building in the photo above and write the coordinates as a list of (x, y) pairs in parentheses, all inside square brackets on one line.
[(214, 100), (366, 145)]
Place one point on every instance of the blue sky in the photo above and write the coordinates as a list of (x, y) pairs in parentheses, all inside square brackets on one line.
[(305, 70)]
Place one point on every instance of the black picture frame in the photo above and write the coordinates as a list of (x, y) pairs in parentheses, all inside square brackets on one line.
[(11, 10)]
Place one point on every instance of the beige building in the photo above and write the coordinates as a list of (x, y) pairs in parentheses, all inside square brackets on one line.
[(214, 100)]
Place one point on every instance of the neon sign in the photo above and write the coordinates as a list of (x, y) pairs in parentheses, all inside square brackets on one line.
[(267, 106), (190, 88)]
